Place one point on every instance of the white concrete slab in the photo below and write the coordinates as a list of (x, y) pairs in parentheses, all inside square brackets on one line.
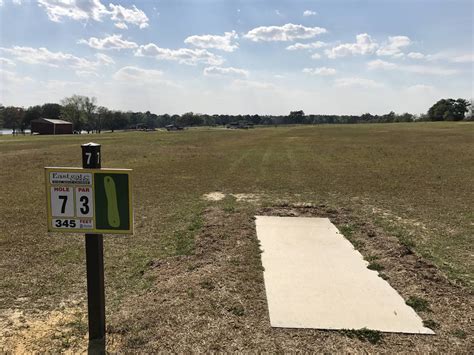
[(314, 278)]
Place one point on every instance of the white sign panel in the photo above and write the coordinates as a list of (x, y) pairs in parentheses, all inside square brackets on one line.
[(84, 202), (62, 201)]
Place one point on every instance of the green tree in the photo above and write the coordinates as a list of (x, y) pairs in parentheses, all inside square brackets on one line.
[(2, 108), (32, 113), (296, 117), (51, 110), (12, 117), (448, 110), (89, 107), (80, 110)]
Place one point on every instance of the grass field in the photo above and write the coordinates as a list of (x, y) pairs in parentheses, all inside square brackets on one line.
[(413, 181)]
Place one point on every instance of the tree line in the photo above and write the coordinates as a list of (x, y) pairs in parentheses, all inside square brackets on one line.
[(85, 115)]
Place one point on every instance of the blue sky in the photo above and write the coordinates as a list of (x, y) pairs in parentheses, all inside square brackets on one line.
[(265, 57)]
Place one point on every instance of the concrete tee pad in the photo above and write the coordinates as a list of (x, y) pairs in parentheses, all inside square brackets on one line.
[(314, 278)]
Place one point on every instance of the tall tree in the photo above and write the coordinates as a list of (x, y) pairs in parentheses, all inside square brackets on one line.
[(296, 117), (80, 110), (51, 110), (12, 117), (2, 108), (32, 113), (448, 110), (89, 108)]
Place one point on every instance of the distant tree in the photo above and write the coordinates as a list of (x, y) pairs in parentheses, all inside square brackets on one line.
[(32, 113), (120, 120), (406, 117), (366, 117), (80, 110), (389, 117), (151, 120), (189, 119), (105, 118), (2, 108), (448, 110), (50, 110), (296, 117), (12, 117), (72, 111), (89, 107)]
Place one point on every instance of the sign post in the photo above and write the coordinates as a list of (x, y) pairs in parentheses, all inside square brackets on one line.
[(93, 201), (91, 159)]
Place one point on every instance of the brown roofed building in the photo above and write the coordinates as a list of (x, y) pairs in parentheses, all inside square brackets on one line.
[(50, 126)]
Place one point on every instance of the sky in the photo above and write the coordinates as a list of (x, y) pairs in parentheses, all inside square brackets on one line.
[(238, 57)]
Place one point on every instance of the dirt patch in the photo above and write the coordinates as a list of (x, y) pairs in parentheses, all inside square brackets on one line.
[(61, 330), (214, 196), (253, 198), (214, 300)]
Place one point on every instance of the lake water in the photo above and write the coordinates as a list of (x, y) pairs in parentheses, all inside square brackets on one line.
[(4, 131)]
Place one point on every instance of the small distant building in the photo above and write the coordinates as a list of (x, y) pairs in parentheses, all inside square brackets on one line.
[(240, 125), (50, 126), (173, 127)]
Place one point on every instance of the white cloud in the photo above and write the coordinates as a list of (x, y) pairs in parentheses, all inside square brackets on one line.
[(381, 64), (322, 71), (415, 55), (363, 45), (278, 13), (132, 15), (316, 56), (357, 82), (95, 10), (249, 84), (74, 9), (394, 46), (55, 59), (6, 62), (465, 58), (288, 32), (309, 13), (229, 71), (110, 42), (225, 42), (121, 25), (420, 88), (86, 74), (103, 59), (418, 69), (135, 74), (451, 56), (181, 55), (300, 46), (9, 78)]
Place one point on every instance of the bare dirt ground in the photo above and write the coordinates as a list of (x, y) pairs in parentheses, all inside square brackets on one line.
[(26, 332), (214, 299)]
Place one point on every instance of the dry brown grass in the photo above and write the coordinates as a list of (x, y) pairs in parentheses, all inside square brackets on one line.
[(413, 181)]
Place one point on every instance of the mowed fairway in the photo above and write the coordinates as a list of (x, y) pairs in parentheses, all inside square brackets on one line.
[(415, 181)]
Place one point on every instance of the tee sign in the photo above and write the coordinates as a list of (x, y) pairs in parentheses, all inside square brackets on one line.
[(89, 200)]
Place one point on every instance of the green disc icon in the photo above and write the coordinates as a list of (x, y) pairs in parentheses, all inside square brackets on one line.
[(113, 215)]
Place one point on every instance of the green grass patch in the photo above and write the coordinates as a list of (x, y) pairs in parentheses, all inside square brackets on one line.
[(429, 323), (364, 334), (459, 333), (375, 266), (418, 304)]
